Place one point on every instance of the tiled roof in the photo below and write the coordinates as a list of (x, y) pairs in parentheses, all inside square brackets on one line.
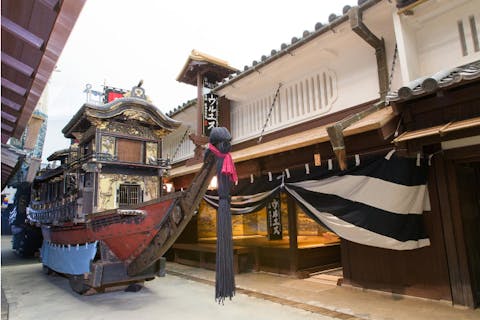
[(320, 28), (184, 106), (440, 80)]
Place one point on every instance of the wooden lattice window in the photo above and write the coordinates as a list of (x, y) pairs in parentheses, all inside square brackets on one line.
[(129, 194)]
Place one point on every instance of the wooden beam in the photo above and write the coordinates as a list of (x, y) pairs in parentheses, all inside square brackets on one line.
[(5, 137), (12, 105), (6, 127), (66, 18), (357, 25), (51, 4), (292, 234), (17, 65), (14, 87), (8, 117), (22, 33)]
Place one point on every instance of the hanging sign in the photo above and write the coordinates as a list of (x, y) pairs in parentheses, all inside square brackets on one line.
[(274, 219), (210, 113)]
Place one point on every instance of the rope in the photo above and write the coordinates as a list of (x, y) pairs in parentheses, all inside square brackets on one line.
[(180, 143), (269, 113), (392, 69)]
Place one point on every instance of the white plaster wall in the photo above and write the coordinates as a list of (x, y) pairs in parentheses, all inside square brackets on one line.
[(187, 116), (340, 51), (434, 29)]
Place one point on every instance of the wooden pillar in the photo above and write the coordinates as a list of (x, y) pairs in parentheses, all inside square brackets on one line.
[(452, 230), (160, 182), (292, 234)]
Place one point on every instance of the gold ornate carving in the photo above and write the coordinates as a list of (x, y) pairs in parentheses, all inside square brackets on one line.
[(130, 129), (109, 183), (151, 152), (138, 115), (96, 122), (108, 145)]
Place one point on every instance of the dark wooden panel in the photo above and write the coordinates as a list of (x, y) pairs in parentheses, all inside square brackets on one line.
[(203, 255), (319, 258), (279, 260), (224, 112), (463, 290), (469, 195), (129, 150), (436, 109)]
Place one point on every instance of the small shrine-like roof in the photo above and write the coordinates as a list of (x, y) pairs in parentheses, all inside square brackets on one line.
[(213, 69), (132, 108)]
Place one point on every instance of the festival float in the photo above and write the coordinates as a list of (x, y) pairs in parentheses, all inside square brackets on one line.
[(105, 217)]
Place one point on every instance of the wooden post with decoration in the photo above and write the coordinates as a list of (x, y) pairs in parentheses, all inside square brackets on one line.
[(202, 70)]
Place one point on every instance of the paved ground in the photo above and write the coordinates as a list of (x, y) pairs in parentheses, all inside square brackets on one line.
[(335, 301), (33, 295), (187, 293)]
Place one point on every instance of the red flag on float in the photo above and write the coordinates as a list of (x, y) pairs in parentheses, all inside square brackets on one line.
[(114, 95), (111, 93)]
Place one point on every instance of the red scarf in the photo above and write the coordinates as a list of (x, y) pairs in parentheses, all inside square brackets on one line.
[(228, 167)]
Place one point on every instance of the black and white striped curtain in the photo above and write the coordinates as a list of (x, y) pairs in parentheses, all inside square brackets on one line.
[(378, 202)]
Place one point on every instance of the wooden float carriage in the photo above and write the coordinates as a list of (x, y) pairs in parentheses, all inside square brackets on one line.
[(105, 216)]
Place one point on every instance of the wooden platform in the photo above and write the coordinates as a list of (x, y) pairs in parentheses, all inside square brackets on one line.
[(203, 255), (314, 253)]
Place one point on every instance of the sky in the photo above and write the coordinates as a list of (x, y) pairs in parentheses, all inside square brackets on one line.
[(120, 42)]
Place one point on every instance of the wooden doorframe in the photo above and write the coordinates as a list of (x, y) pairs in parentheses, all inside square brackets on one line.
[(452, 224)]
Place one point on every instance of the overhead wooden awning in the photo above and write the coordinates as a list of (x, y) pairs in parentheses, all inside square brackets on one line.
[(10, 162), (452, 130), (374, 121), (34, 34), (439, 133)]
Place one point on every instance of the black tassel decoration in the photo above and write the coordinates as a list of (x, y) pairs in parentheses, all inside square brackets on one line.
[(226, 174), (224, 278)]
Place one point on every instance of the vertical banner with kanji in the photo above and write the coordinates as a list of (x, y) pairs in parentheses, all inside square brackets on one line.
[(210, 113), (274, 219)]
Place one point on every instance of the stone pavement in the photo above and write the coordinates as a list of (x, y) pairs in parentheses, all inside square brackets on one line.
[(325, 301), (331, 300)]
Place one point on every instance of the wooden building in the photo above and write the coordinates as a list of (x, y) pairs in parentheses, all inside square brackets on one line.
[(359, 85)]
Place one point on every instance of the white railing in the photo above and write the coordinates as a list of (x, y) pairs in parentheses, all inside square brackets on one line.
[(300, 100)]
